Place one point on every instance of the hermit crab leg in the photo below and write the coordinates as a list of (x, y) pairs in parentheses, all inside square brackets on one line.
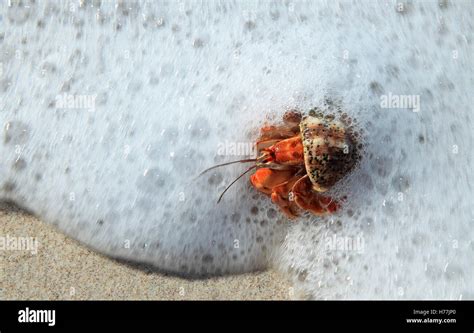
[(281, 197), (276, 132), (308, 199), (264, 144), (291, 120)]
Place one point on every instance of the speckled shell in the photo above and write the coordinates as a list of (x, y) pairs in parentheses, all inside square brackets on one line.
[(329, 151)]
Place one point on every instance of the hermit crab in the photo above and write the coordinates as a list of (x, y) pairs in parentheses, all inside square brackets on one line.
[(299, 159)]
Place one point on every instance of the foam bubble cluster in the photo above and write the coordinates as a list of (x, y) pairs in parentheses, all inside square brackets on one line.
[(110, 110)]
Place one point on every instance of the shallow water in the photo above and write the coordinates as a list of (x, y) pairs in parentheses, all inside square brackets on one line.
[(110, 110)]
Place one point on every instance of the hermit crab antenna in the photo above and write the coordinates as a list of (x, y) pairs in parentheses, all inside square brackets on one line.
[(227, 163), (236, 179)]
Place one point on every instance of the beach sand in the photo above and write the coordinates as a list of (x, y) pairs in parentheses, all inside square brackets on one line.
[(63, 269)]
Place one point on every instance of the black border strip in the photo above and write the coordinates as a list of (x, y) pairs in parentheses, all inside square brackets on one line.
[(364, 314)]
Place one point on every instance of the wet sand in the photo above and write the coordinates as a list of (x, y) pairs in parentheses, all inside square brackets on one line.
[(63, 269)]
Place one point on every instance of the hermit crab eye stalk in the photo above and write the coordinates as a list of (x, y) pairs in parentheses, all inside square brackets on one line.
[(299, 159)]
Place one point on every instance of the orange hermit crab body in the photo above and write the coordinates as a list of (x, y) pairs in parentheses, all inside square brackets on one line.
[(300, 159)]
